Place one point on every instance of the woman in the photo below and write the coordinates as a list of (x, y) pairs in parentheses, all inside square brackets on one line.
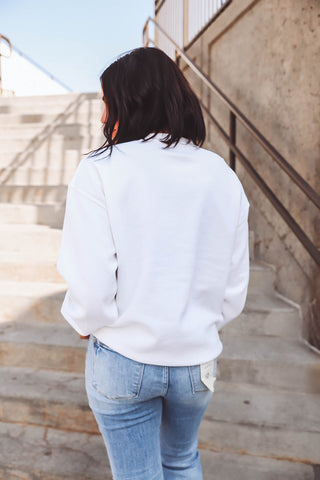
[(155, 254)]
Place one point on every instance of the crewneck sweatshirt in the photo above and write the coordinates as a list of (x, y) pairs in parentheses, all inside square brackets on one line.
[(154, 250)]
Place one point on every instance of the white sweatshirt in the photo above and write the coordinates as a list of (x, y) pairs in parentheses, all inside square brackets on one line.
[(154, 251)]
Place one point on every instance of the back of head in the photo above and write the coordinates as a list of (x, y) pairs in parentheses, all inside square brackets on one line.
[(146, 92)]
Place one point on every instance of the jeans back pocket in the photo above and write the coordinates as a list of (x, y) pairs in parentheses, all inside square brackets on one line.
[(195, 377), (115, 376)]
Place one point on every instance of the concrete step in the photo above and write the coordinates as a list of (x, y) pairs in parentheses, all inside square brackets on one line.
[(15, 145), (31, 194), (266, 314), (53, 99), (48, 100), (49, 454), (49, 346), (48, 155), (33, 176), (56, 107), (27, 238), (59, 400), (264, 406), (25, 131), (91, 116), (30, 130), (251, 441), (51, 399), (50, 145), (255, 360), (51, 215), (262, 278), (278, 362), (31, 302), (233, 466), (17, 266)]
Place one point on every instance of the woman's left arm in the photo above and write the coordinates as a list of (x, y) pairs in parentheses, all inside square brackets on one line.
[(87, 257)]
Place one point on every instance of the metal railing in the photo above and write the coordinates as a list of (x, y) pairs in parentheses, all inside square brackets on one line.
[(21, 158), (186, 19), (9, 45), (234, 152)]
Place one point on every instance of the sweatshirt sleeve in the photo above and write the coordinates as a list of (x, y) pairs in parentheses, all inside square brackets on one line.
[(87, 257), (238, 277)]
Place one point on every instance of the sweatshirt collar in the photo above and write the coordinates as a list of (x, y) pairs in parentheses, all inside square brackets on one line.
[(162, 135)]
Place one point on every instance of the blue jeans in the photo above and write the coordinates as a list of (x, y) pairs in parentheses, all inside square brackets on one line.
[(148, 415)]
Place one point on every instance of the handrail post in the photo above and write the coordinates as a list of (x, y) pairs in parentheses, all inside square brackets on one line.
[(145, 35), (232, 133), (6, 39), (177, 57), (0, 70)]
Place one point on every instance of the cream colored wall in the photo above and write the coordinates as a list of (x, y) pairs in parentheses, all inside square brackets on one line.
[(264, 55)]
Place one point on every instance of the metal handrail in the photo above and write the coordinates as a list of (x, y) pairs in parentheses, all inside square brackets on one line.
[(6, 39), (297, 230), (39, 138), (235, 113)]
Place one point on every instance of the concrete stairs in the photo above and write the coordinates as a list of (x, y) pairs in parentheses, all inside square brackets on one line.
[(263, 421), (42, 141)]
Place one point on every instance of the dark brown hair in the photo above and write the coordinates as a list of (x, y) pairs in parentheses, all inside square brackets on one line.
[(147, 92)]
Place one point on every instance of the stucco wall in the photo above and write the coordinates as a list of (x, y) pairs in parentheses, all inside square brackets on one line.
[(264, 55)]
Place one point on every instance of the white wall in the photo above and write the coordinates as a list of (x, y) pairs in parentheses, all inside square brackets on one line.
[(21, 77)]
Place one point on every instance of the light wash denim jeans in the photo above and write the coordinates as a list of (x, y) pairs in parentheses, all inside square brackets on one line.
[(148, 415)]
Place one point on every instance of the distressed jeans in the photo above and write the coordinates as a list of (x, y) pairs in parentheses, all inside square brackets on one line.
[(148, 415)]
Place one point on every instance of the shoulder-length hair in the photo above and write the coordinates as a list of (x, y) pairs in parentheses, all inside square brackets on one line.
[(146, 92)]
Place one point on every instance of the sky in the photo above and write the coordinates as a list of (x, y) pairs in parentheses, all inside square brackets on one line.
[(75, 40)]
